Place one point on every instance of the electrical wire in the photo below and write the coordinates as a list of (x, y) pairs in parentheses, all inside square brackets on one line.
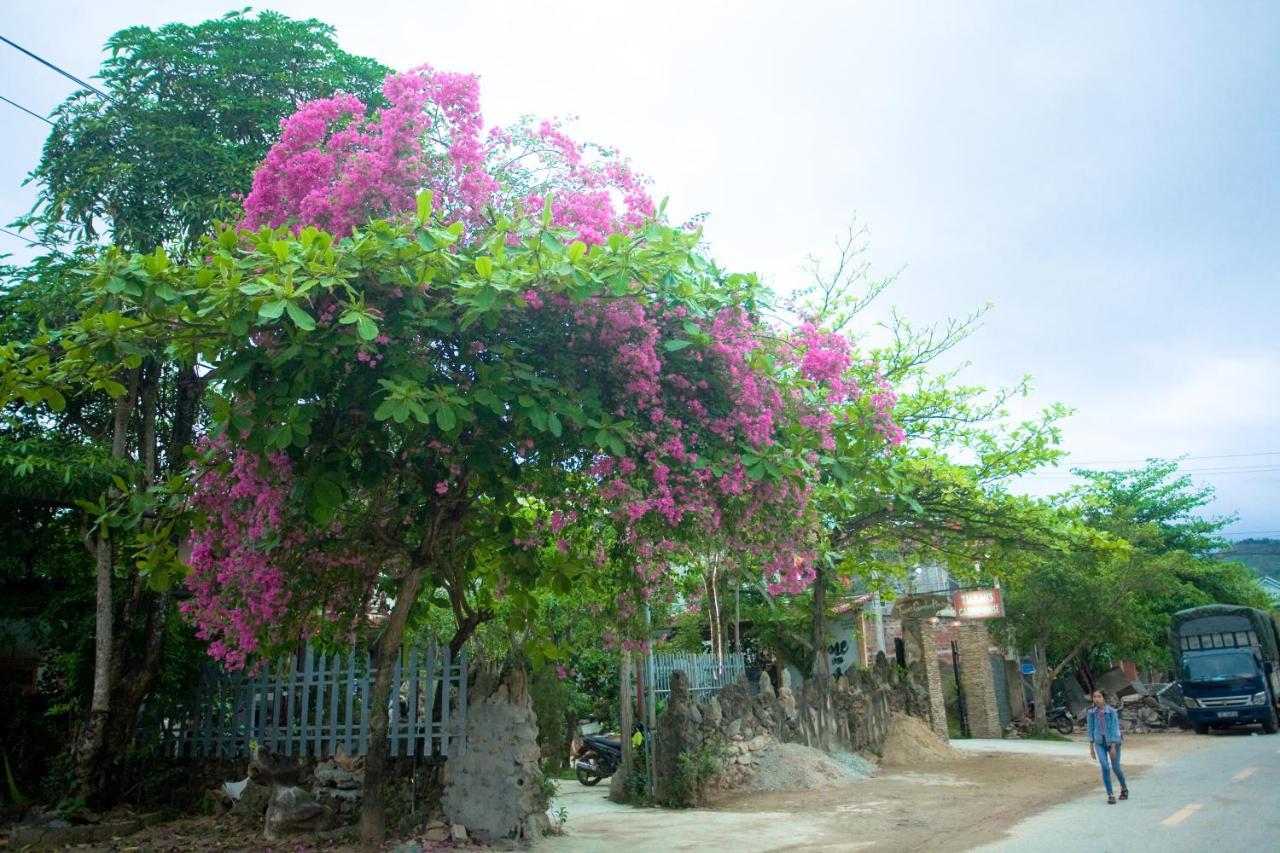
[(26, 240), (63, 72), (1198, 472), (31, 113), (1218, 456)]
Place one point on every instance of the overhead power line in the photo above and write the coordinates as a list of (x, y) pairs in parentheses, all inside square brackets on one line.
[(27, 240), (63, 72), (1213, 470), (31, 113), (1218, 456)]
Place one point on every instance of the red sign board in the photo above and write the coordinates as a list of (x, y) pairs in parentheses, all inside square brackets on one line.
[(978, 603)]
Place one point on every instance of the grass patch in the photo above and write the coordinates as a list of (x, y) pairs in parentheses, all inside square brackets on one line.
[(1033, 735), (561, 773)]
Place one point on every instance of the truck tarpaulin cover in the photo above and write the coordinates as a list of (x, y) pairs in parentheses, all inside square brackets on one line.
[(1218, 618)]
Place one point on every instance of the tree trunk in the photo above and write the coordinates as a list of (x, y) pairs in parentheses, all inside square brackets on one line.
[(1043, 688), (618, 787), (822, 665), (373, 807), (90, 758)]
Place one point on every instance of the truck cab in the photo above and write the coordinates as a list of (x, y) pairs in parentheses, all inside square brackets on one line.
[(1228, 659), (1224, 687)]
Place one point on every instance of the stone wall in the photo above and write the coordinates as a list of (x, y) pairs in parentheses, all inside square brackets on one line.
[(494, 788), (978, 681), (852, 714)]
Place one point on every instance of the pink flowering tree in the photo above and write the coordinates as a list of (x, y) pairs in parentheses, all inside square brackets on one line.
[(459, 366)]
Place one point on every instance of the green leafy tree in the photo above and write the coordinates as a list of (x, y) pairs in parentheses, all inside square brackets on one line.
[(190, 112)]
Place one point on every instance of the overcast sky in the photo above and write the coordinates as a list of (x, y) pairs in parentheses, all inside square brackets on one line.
[(1105, 174)]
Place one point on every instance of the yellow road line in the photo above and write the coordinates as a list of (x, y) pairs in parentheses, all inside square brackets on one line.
[(1180, 815), (1245, 774)]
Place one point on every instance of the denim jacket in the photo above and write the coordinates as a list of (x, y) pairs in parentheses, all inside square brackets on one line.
[(1108, 730)]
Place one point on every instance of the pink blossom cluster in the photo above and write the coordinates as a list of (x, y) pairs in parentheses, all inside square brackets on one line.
[(254, 561), (336, 167)]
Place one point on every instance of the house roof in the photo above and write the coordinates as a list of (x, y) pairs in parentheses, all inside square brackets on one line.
[(1270, 586)]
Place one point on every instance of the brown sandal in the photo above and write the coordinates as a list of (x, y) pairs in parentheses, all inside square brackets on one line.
[(1111, 801)]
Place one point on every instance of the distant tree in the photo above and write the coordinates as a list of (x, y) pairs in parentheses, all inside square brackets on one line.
[(192, 111)]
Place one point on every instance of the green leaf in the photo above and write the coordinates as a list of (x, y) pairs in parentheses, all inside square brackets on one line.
[(576, 250), (553, 423), (425, 206), (445, 418), (484, 266), (300, 318), (676, 344), (55, 399), (272, 310), (328, 493), (366, 328)]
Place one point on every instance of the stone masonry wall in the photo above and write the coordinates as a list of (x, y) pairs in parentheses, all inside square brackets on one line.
[(852, 715), (978, 680)]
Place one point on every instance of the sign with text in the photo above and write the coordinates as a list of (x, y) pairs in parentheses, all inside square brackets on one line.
[(978, 603)]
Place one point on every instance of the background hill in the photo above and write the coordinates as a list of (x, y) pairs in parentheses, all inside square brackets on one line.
[(1262, 556)]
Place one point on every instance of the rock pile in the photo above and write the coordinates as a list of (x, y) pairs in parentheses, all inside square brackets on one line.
[(292, 810), (340, 781)]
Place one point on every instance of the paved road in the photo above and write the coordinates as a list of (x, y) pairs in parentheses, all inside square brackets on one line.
[(1221, 798)]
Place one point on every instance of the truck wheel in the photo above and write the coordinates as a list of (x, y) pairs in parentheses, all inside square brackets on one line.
[(1269, 724), (1202, 728)]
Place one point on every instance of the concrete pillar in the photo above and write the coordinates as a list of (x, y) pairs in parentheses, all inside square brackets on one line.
[(978, 681), (1017, 697), (921, 644)]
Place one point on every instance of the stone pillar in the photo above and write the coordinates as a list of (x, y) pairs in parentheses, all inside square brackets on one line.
[(921, 644), (978, 680)]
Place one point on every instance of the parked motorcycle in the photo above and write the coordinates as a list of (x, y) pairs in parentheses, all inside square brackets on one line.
[(598, 758), (1060, 719)]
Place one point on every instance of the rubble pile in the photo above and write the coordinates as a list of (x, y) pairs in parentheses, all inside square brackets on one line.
[(340, 780), (1156, 708)]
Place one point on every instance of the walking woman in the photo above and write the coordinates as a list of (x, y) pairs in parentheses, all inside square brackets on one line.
[(1105, 741)]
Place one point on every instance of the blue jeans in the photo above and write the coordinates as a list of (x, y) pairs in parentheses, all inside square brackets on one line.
[(1108, 764)]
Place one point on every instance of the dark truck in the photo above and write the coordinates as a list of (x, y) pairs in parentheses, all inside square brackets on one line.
[(1228, 661)]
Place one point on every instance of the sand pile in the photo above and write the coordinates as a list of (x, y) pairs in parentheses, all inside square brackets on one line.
[(795, 767), (910, 741)]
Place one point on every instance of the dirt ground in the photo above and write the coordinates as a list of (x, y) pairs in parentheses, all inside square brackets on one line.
[(948, 805), (938, 806)]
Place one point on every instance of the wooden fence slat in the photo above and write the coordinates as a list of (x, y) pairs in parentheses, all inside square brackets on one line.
[(277, 705), (364, 705), (322, 686), (429, 695), (335, 681), (446, 671), (308, 661), (461, 746), (350, 690), (414, 683), (393, 713)]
